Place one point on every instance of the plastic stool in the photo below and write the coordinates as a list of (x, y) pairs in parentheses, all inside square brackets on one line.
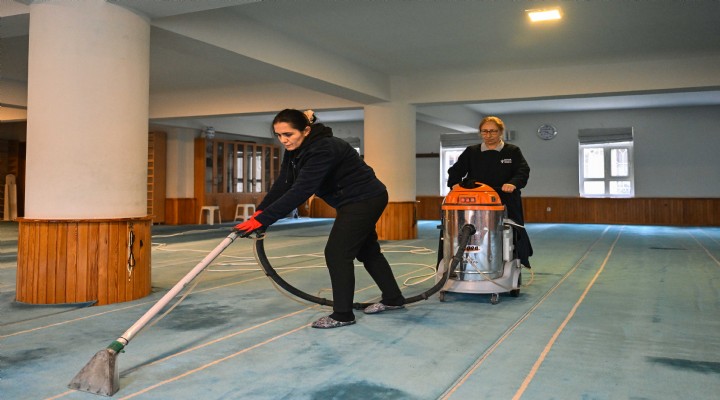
[(243, 211), (211, 214)]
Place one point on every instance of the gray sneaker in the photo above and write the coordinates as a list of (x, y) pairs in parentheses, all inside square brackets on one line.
[(327, 323), (380, 307)]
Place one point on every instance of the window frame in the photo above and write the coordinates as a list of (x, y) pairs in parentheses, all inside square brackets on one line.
[(260, 166), (453, 143), (607, 179)]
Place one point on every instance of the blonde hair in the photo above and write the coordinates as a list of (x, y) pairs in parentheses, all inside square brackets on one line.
[(500, 124)]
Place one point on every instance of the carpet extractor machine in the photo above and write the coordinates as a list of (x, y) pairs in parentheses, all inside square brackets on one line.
[(489, 263)]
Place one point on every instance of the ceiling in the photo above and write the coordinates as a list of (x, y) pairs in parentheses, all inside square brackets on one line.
[(399, 38)]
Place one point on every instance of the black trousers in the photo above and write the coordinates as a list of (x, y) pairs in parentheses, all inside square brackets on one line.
[(513, 203), (353, 236)]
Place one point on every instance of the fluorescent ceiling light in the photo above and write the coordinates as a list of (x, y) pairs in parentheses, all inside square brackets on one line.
[(543, 15)]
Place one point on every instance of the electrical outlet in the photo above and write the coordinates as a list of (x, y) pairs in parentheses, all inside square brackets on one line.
[(549, 209)]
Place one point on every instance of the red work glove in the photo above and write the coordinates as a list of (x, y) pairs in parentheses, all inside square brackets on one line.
[(248, 227), (256, 213)]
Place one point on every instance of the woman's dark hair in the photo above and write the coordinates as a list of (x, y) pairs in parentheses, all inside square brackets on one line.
[(295, 118)]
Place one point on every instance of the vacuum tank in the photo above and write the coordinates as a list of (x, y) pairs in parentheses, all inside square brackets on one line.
[(488, 264)]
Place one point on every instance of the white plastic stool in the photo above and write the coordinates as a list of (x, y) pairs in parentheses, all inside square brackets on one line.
[(211, 214), (244, 211)]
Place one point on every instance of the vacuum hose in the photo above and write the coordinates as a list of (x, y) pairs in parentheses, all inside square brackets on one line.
[(466, 232)]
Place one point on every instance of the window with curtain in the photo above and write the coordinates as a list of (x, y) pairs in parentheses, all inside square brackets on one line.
[(606, 162)]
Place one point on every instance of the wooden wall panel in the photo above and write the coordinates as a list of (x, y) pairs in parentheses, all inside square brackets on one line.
[(181, 211), (113, 289), (82, 261), (103, 253), (636, 211), (71, 247), (156, 176), (143, 263), (42, 267), (320, 209), (398, 222), (429, 207), (61, 255), (81, 264)]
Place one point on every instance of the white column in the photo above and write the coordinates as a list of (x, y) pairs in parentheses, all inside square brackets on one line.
[(389, 135), (87, 129)]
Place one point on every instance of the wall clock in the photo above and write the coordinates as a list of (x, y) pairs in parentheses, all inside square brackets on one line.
[(546, 132)]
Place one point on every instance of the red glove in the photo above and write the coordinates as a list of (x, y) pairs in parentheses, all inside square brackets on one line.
[(248, 227), (256, 213)]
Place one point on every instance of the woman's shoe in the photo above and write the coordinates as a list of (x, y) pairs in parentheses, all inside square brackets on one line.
[(327, 323), (380, 307)]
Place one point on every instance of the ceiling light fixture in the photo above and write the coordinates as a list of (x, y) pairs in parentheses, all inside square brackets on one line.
[(544, 15)]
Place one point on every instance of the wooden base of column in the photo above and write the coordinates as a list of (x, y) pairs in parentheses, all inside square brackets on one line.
[(77, 261), (398, 222)]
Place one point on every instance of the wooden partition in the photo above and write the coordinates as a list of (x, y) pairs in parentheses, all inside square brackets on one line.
[(77, 261), (318, 208), (636, 211), (429, 207), (181, 211), (398, 222), (156, 176)]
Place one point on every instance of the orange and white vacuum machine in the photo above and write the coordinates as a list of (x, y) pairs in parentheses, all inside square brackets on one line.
[(489, 264)]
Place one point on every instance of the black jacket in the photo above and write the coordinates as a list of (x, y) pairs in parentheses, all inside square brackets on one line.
[(325, 166), (493, 168)]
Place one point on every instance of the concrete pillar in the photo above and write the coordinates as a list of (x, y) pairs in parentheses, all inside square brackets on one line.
[(85, 236), (88, 84), (389, 135)]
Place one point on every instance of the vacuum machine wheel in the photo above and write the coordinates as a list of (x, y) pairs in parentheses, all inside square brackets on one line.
[(494, 298), (516, 292)]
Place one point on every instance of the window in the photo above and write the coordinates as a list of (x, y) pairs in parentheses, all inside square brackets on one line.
[(606, 162), (240, 167), (451, 146), (448, 157)]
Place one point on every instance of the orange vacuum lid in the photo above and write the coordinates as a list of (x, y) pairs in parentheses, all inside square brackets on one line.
[(482, 197)]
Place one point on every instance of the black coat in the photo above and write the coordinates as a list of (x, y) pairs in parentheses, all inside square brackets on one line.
[(325, 166), (493, 168)]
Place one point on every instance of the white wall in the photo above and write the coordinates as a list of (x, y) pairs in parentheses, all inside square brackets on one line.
[(347, 129), (675, 151), (428, 141)]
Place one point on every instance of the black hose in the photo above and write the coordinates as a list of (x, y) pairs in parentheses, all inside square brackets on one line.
[(466, 232)]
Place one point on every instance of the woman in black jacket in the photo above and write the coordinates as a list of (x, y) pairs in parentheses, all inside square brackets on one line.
[(316, 162)]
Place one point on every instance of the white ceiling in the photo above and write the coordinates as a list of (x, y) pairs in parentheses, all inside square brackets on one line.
[(398, 38)]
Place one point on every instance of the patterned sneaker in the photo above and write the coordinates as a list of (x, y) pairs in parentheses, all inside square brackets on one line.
[(380, 307), (327, 323)]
